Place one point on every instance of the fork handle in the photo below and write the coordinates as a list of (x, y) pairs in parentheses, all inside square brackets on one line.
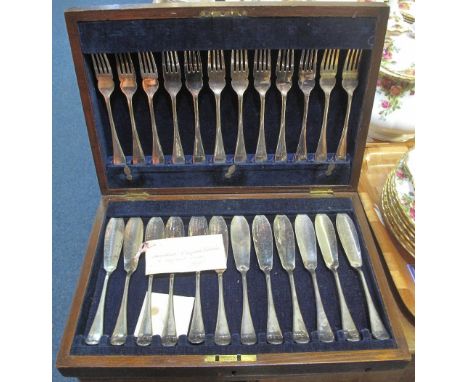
[(342, 146), (261, 153), (240, 154), (219, 154), (321, 153), (118, 156), (198, 151), (301, 153), (137, 154), (177, 150), (157, 153), (281, 154)]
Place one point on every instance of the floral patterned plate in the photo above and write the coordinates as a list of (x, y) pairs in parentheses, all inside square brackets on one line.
[(396, 212), (405, 190), (393, 111)]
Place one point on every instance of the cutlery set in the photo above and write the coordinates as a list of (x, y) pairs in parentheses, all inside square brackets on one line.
[(191, 73), (130, 236)]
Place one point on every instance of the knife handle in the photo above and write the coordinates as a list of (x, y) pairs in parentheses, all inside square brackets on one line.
[(248, 336), (95, 333), (377, 327), (145, 334), (325, 332), (274, 335), (300, 334), (347, 322), (222, 334)]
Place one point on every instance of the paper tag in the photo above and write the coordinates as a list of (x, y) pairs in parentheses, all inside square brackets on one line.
[(182, 311), (185, 254)]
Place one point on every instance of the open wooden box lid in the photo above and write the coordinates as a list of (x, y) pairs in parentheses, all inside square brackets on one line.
[(205, 26)]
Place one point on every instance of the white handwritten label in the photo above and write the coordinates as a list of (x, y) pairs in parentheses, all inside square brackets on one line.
[(185, 254)]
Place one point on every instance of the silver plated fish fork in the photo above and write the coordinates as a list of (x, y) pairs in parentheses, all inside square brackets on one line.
[(128, 85), (172, 83), (194, 83)]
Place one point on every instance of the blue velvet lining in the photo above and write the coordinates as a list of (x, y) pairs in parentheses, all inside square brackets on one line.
[(241, 32), (185, 284)]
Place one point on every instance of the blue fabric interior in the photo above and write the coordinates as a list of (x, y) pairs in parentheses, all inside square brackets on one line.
[(185, 285), (228, 33)]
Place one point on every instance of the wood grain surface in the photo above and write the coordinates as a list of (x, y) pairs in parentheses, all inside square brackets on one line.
[(379, 160)]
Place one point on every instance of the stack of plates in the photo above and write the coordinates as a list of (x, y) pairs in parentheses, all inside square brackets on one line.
[(398, 202)]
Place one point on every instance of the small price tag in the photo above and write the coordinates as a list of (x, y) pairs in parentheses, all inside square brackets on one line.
[(185, 254)]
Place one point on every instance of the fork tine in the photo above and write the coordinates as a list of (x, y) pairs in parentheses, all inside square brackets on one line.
[(246, 60), (119, 70), (222, 60), (322, 63), (291, 63), (107, 65), (314, 60), (163, 59), (304, 59), (172, 61), (335, 60), (268, 52), (347, 59), (141, 62), (357, 60), (186, 61), (278, 61), (153, 62), (99, 61), (233, 53), (127, 61), (256, 54), (328, 59), (176, 61), (96, 70), (199, 63), (352, 64)]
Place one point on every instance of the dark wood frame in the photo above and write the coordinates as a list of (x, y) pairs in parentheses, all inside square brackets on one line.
[(275, 9), (266, 365)]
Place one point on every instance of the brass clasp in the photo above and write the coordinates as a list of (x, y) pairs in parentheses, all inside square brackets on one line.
[(224, 13), (231, 358)]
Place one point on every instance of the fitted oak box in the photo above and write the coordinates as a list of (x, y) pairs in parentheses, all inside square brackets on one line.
[(230, 188)]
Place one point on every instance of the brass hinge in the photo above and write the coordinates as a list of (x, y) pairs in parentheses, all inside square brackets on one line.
[(136, 196), (224, 13), (321, 191), (231, 358)]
